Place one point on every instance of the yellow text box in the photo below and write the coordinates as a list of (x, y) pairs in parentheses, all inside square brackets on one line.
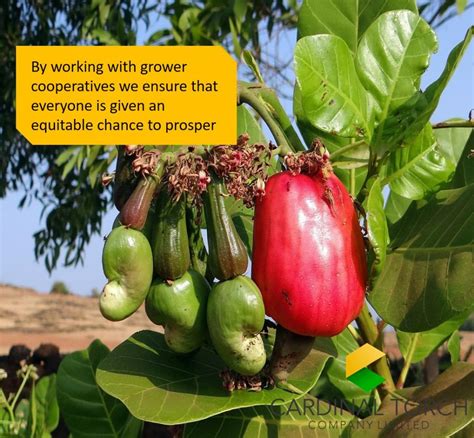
[(75, 95)]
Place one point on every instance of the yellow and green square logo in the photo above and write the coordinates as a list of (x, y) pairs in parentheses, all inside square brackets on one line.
[(357, 371)]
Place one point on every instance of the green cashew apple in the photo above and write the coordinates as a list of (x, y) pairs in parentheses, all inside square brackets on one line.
[(235, 317), (127, 262), (180, 307)]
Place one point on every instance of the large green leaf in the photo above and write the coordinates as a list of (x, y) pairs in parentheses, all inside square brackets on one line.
[(451, 142), (332, 97), (391, 57), (433, 92), (159, 386), (409, 119), (305, 417), (347, 19), (246, 124), (377, 228), (424, 343), (333, 385), (419, 168), (86, 409), (428, 276), (442, 408), (43, 415)]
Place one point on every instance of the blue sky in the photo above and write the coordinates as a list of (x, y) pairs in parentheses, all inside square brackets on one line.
[(17, 262)]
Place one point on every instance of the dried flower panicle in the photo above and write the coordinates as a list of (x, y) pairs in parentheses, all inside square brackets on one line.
[(242, 167), (134, 149), (146, 163), (310, 162), (233, 381), (188, 174)]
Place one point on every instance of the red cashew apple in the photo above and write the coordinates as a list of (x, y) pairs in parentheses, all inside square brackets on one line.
[(309, 257)]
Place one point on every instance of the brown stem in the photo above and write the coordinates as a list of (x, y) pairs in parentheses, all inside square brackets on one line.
[(459, 124), (371, 335)]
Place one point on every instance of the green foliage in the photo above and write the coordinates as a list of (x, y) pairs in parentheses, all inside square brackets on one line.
[(33, 417), (296, 418), (417, 171), (332, 97), (59, 288), (347, 20), (160, 386), (80, 398), (428, 269), (424, 343), (333, 385), (451, 387), (43, 416)]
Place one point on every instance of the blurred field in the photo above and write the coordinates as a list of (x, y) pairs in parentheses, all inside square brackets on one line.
[(69, 321)]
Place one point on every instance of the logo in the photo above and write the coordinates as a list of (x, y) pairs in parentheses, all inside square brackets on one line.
[(357, 371)]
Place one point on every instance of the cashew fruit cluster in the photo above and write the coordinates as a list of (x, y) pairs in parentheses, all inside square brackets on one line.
[(155, 255), (309, 268)]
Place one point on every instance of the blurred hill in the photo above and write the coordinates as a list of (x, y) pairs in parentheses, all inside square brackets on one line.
[(69, 321)]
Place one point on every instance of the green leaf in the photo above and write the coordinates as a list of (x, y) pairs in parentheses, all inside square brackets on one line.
[(428, 341), (43, 415), (332, 97), (395, 207), (461, 5), (345, 19), (419, 168), (333, 386), (391, 57), (65, 155), (252, 64), (433, 92), (104, 37), (428, 273), (454, 347), (235, 38), (445, 406), (80, 398), (240, 9), (305, 417), (376, 227), (69, 166), (22, 413), (410, 119), (247, 124), (188, 19), (159, 386)]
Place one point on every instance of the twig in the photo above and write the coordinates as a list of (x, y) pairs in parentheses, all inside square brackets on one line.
[(355, 334), (408, 359), (246, 95), (460, 124), (344, 149)]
